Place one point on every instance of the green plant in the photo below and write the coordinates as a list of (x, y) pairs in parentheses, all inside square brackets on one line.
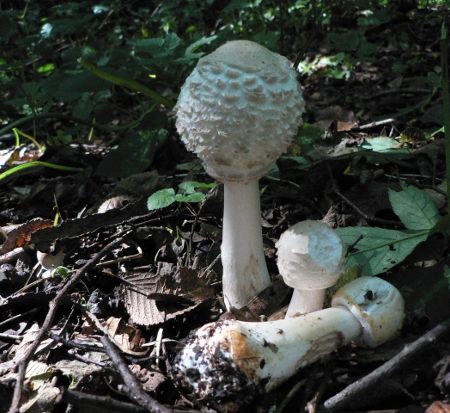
[(446, 98), (376, 250), (189, 191)]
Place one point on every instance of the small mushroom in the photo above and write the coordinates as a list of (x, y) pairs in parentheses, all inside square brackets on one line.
[(227, 363), (238, 111), (50, 260), (310, 257)]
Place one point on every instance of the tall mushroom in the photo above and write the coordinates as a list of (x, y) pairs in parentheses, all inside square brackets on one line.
[(238, 111), (228, 363)]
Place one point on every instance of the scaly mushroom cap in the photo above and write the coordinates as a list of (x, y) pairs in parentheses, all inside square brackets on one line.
[(310, 255), (239, 109)]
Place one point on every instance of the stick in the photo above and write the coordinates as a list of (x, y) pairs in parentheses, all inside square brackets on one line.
[(364, 385), (46, 325), (132, 384), (84, 400), (376, 124)]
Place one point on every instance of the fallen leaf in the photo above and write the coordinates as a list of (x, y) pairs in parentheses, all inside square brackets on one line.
[(127, 338), (20, 235), (438, 407)]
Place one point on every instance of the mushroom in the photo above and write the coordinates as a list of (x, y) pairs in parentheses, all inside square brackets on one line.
[(227, 363), (238, 111), (310, 257), (49, 261)]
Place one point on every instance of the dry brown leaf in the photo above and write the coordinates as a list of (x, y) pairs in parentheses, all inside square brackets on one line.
[(20, 235), (335, 118), (165, 290), (127, 338), (438, 407)]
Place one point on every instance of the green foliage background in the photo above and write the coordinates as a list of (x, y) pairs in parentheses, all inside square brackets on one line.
[(119, 65)]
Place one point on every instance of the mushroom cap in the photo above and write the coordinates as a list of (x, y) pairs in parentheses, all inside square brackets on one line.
[(50, 261), (310, 255), (239, 109), (377, 305)]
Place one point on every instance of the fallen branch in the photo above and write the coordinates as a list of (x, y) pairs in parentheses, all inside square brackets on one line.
[(135, 390), (85, 400), (364, 385), (46, 325)]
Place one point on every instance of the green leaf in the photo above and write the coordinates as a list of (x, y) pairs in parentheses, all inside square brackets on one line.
[(443, 225), (67, 87), (161, 199), (128, 83), (377, 250), (8, 26), (190, 187), (308, 135), (191, 50), (47, 68), (414, 207), (33, 164), (447, 275), (375, 18), (194, 197), (446, 101), (134, 154), (381, 144)]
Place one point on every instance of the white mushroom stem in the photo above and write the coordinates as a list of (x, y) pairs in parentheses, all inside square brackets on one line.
[(245, 272), (230, 362), (305, 301)]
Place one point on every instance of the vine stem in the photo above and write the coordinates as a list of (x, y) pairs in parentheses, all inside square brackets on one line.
[(446, 99)]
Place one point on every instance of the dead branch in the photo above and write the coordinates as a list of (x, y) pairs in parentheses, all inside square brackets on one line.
[(132, 384), (364, 385), (85, 400), (46, 325)]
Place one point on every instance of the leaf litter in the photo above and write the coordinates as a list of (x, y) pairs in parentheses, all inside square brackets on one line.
[(163, 278)]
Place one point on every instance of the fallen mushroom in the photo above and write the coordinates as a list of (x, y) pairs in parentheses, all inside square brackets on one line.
[(310, 257), (238, 111), (227, 363)]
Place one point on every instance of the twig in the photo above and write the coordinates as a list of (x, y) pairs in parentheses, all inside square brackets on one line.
[(10, 337), (83, 399), (17, 317), (46, 325), (75, 344), (362, 213), (119, 260), (30, 286), (11, 255), (134, 388), (60, 116), (355, 207), (364, 385), (397, 91), (294, 390), (375, 124), (88, 361)]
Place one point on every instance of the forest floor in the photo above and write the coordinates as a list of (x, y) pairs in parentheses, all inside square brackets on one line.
[(146, 279)]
